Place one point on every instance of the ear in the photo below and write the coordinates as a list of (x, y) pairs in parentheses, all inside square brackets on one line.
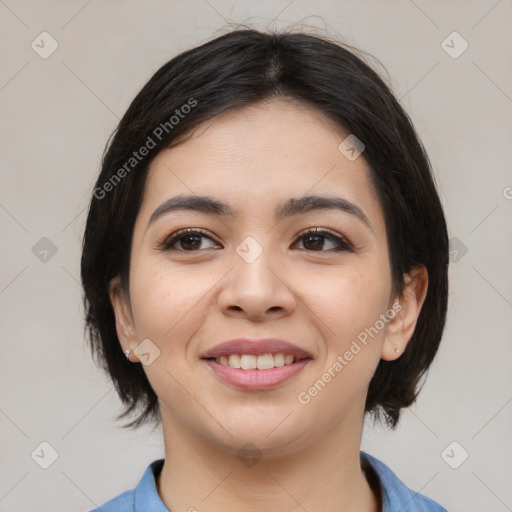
[(407, 308), (125, 326)]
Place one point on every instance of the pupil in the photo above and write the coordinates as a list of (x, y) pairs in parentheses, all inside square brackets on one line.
[(317, 240), (187, 239)]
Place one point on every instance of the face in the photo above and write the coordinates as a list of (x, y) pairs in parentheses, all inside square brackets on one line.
[(245, 273)]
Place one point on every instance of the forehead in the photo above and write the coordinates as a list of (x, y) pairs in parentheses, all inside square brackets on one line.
[(260, 155)]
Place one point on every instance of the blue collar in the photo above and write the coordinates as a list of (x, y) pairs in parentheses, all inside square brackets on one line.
[(396, 496)]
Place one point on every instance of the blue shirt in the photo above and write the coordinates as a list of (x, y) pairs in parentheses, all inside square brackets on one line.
[(396, 496)]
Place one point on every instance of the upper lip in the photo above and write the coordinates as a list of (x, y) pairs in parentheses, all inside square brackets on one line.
[(256, 347)]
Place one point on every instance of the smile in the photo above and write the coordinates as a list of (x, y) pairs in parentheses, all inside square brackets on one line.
[(253, 362), (253, 373)]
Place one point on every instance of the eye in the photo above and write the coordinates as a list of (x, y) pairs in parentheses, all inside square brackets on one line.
[(188, 239), (315, 240)]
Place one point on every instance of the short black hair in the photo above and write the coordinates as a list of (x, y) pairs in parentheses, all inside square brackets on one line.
[(240, 68)]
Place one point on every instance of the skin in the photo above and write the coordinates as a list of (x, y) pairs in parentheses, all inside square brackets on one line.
[(188, 301)]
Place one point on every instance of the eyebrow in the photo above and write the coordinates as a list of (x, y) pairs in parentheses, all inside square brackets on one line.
[(288, 208)]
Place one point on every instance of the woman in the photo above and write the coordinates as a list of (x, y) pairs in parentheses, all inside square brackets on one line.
[(265, 262)]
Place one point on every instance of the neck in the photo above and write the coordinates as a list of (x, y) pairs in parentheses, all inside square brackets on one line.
[(325, 476)]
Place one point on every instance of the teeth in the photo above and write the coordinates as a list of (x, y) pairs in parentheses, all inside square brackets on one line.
[(252, 362), (265, 362), (248, 362), (234, 361), (278, 360)]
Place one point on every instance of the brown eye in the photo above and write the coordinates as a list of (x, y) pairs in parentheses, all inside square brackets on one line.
[(190, 240), (314, 240), (185, 240)]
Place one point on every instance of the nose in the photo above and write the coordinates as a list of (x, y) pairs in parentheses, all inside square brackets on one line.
[(257, 290)]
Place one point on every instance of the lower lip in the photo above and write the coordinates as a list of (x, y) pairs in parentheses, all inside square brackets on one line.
[(257, 379)]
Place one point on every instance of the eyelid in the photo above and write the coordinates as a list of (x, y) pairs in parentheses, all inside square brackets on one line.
[(167, 242), (326, 231), (323, 231)]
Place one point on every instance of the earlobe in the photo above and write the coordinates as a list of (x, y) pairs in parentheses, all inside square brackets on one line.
[(401, 327), (124, 319)]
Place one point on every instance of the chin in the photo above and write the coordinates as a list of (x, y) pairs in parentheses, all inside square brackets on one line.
[(267, 438)]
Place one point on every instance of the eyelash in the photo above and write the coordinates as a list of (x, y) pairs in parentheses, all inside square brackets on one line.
[(343, 243)]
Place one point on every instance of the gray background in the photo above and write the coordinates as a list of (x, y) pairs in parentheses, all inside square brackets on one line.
[(57, 115)]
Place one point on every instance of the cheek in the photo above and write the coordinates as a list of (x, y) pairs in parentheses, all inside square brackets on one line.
[(353, 302), (166, 302), (353, 331)]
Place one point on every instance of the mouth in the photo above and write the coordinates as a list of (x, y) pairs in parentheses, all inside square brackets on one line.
[(257, 362), (256, 365)]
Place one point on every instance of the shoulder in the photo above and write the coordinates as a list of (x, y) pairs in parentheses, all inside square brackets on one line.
[(143, 497), (125, 502), (396, 495)]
